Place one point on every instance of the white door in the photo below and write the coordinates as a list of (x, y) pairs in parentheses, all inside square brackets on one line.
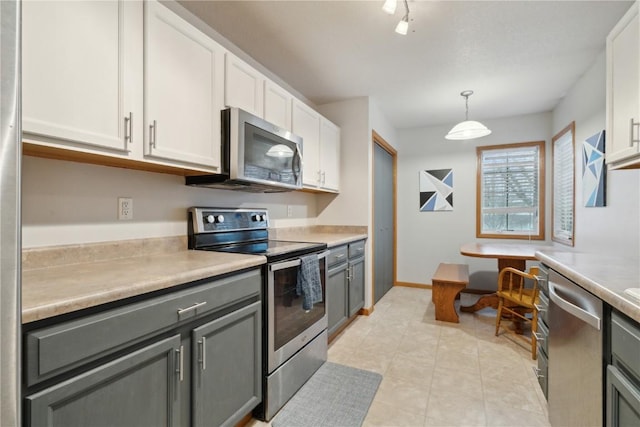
[(306, 123), (76, 60), (623, 88), (277, 105), (183, 90), (243, 86), (330, 155)]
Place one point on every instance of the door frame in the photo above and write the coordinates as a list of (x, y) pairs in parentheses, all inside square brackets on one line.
[(380, 141)]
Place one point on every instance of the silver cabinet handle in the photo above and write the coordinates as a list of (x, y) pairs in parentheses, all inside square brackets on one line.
[(339, 256), (128, 128), (631, 126), (539, 336), (323, 177), (537, 371), (203, 354), (152, 133), (195, 306), (180, 368)]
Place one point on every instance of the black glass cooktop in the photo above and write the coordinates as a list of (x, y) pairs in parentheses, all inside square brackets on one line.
[(272, 249)]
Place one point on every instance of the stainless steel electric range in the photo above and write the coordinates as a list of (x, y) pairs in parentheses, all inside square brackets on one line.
[(294, 339)]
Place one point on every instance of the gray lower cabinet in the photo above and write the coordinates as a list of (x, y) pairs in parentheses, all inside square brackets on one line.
[(345, 284), (137, 390), (226, 356), (356, 285), (623, 374), (337, 297), (187, 358)]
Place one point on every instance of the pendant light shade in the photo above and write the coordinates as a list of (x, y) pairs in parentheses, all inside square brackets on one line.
[(403, 26), (469, 129), (389, 6)]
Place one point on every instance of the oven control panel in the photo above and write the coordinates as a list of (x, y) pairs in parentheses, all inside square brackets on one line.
[(211, 220)]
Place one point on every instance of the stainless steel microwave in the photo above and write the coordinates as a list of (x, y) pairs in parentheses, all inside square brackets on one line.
[(257, 156)]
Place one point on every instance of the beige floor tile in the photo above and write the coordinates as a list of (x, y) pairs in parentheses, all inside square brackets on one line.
[(403, 395), (506, 416), (445, 410), (413, 369), (386, 415), (448, 384)]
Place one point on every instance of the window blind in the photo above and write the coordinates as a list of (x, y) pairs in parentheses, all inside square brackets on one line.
[(510, 190), (563, 175)]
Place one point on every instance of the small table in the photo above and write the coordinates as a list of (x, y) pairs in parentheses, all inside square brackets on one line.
[(513, 255)]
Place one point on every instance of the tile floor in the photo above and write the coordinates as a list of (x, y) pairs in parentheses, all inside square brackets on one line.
[(439, 373)]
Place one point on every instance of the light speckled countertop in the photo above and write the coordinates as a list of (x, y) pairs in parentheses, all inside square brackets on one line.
[(51, 291), (63, 279), (604, 276)]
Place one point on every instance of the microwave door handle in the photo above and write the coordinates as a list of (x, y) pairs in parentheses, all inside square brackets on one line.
[(297, 158)]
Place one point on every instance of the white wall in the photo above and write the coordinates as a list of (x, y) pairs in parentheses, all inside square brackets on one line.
[(614, 229), (427, 238), (68, 203)]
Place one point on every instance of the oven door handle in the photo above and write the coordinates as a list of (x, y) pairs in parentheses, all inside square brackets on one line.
[(293, 263)]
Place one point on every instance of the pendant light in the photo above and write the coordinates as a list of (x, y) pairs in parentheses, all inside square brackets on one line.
[(469, 129), (389, 7)]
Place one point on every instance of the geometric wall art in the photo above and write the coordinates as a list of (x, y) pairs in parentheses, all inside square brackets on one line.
[(594, 171), (436, 190)]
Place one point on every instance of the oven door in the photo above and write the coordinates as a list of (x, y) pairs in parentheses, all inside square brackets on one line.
[(291, 327)]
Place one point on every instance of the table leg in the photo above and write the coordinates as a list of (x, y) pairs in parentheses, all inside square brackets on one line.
[(491, 300)]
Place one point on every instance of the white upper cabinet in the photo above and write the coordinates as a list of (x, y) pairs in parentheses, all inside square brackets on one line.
[(329, 155), (306, 124), (320, 148), (81, 72), (623, 92), (277, 105), (183, 89), (243, 86)]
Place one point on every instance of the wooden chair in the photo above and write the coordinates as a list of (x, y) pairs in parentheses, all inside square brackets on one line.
[(517, 300)]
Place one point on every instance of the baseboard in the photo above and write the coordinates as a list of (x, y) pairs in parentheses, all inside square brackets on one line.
[(412, 285), (365, 311)]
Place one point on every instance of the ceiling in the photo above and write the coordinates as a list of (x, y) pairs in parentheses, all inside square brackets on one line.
[(519, 57)]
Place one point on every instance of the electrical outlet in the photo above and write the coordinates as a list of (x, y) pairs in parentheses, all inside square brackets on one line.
[(125, 208), (289, 211)]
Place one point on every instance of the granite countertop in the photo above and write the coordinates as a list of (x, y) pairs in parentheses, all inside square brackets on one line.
[(60, 289), (606, 277)]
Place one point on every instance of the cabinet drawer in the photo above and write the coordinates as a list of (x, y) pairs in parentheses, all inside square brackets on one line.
[(337, 255), (356, 249), (543, 371), (625, 344), (55, 349), (542, 336)]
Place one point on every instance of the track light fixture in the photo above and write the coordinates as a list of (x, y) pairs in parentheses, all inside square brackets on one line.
[(469, 129), (389, 7)]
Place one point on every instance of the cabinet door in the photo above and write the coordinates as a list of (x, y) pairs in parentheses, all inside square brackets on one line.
[(356, 286), (139, 389), (277, 105), (306, 123), (623, 88), (337, 297), (183, 90), (623, 400), (227, 367), (329, 155), (81, 66), (243, 86)]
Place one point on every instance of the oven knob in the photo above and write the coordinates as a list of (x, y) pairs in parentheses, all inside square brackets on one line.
[(210, 219), (257, 217), (219, 218), (264, 217)]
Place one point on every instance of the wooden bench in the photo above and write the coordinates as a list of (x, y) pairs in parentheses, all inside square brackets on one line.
[(447, 282)]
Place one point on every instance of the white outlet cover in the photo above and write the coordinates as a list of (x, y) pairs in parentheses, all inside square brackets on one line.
[(125, 208)]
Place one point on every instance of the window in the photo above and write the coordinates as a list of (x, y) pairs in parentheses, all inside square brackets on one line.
[(562, 201), (510, 191)]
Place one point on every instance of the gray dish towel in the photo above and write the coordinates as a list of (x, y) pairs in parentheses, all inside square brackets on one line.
[(309, 285)]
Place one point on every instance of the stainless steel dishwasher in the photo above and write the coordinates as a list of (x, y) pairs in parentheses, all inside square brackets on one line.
[(575, 354)]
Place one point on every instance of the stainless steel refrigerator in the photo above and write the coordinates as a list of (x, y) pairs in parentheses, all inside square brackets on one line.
[(10, 235)]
